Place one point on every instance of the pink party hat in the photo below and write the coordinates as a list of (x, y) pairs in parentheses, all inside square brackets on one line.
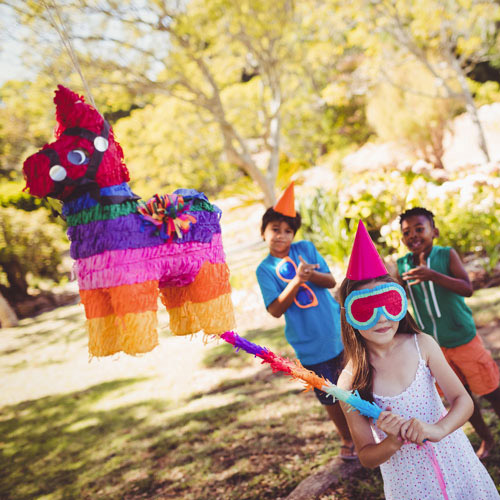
[(365, 262)]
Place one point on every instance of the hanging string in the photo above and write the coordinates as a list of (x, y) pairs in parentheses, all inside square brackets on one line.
[(66, 41)]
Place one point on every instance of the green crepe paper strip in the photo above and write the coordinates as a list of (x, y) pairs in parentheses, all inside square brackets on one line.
[(101, 212), (198, 205), (107, 212)]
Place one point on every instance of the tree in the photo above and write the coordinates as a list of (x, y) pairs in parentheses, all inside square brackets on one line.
[(239, 64), (167, 146), (448, 39), (410, 117), (25, 122), (29, 243)]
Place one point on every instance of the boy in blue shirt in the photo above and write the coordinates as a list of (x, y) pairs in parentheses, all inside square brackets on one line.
[(294, 281), (437, 284)]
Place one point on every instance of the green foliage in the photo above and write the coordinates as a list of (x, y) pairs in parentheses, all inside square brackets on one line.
[(428, 27), (167, 146), (324, 225), (444, 39), (485, 306), (250, 73), (253, 82), (466, 210), (413, 118), (485, 93), (26, 122), (12, 195), (30, 243)]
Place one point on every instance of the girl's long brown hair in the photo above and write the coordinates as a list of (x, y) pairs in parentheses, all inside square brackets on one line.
[(354, 344)]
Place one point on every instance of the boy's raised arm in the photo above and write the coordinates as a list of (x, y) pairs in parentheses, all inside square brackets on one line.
[(458, 282)]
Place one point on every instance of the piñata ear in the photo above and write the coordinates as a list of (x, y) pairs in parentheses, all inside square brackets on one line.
[(73, 111)]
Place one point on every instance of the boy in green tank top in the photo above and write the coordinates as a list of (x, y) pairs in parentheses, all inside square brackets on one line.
[(437, 283)]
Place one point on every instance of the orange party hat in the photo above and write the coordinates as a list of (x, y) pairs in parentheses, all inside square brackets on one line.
[(286, 204)]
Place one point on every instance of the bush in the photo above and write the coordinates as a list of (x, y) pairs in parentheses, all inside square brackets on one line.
[(325, 226), (12, 195), (466, 211), (29, 243)]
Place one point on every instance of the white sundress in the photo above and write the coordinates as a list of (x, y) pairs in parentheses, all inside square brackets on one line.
[(410, 474)]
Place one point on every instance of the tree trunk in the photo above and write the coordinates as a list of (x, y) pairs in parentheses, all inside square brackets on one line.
[(470, 105), (16, 278), (8, 317)]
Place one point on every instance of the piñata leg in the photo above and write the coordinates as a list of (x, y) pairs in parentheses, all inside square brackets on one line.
[(122, 318), (135, 307), (103, 338), (205, 304)]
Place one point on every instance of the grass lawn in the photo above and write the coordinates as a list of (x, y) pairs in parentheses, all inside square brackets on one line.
[(184, 421)]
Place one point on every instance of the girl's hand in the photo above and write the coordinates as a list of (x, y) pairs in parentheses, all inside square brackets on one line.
[(416, 431), (305, 270), (390, 423)]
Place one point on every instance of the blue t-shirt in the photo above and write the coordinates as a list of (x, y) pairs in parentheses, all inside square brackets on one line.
[(313, 332)]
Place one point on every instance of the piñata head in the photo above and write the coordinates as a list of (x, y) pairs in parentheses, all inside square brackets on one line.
[(83, 158)]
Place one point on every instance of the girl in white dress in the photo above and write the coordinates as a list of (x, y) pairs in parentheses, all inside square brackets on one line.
[(418, 444)]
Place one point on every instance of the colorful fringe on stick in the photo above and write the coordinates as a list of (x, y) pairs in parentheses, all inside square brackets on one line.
[(297, 371)]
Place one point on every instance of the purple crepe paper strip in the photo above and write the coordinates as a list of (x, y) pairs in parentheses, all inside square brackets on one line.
[(241, 343)]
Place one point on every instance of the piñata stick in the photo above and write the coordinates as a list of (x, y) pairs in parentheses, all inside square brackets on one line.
[(297, 371)]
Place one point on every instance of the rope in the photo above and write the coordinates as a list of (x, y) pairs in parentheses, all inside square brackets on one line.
[(66, 41)]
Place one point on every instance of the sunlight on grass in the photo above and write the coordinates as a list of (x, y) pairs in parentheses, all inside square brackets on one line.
[(485, 305), (82, 424), (210, 402), (124, 397), (185, 421), (276, 408)]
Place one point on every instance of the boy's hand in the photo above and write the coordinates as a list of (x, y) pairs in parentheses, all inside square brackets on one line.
[(420, 273), (305, 270)]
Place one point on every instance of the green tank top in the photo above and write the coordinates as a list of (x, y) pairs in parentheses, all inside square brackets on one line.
[(437, 310)]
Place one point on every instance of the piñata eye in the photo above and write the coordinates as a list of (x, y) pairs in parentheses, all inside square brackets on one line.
[(78, 157)]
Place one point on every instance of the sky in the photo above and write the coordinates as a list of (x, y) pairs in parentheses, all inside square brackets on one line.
[(11, 67), (11, 64)]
